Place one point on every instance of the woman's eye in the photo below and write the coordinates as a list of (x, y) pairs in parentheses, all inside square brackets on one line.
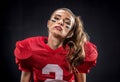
[(67, 23), (56, 18)]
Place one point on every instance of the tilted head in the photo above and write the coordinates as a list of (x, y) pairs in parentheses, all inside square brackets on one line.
[(61, 22)]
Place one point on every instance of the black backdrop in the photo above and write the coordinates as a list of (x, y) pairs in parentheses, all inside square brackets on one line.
[(25, 18)]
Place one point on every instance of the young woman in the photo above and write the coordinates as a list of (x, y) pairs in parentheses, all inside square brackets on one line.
[(66, 55)]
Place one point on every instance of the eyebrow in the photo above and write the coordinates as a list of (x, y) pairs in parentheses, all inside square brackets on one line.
[(60, 16), (68, 19)]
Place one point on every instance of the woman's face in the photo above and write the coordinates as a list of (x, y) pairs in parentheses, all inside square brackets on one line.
[(60, 23)]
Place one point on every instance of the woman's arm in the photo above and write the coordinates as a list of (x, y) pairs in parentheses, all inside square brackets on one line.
[(25, 76), (80, 77)]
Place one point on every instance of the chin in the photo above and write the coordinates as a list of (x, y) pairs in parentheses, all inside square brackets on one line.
[(58, 35)]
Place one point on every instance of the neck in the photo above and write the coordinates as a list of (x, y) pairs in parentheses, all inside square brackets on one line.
[(54, 42)]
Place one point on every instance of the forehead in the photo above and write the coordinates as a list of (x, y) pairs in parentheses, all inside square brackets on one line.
[(63, 13)]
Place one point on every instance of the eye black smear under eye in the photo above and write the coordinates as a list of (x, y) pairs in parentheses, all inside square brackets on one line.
[(53, 20), (67, 26)]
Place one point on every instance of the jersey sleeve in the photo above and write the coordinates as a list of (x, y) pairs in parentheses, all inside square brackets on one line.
[(90, 60), (22, 54)]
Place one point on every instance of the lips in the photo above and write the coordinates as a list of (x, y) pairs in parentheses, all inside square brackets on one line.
[(58, 28)]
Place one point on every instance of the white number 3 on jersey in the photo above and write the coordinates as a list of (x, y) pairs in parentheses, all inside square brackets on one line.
[(53, 68)]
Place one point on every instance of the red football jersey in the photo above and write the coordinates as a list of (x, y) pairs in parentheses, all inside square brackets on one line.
[(34, 55)]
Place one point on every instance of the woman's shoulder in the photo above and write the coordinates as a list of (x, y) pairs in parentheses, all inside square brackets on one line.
[(23, 48), (91, 51), (91, 55)]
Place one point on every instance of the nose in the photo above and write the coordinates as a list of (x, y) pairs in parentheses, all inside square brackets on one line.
[(60, 22)]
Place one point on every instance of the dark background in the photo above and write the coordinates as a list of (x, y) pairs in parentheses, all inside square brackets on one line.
[(20, 19)]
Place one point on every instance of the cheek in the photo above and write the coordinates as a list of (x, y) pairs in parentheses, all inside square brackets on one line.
[(65, 32), (50, 25)]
